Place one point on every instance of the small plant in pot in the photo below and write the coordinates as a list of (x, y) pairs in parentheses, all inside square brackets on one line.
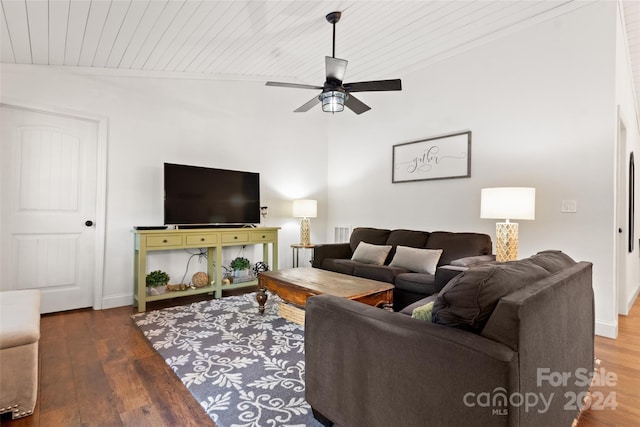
[(156, 282), (240, 267)]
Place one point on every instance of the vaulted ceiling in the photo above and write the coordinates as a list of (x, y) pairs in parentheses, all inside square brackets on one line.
[(267, 39)]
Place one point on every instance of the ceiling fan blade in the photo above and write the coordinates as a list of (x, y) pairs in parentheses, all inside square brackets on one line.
[(356, 105), (308, 105), (374, 86), (336, 67), (293, 85)]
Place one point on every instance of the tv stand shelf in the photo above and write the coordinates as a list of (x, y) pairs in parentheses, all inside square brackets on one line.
[(213, 239)]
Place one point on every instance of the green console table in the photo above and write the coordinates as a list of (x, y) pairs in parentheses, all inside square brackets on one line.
[(213, 239)]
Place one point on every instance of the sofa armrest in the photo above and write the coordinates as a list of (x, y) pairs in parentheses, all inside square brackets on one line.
[(444, 274), (330, 250), (369, 367)]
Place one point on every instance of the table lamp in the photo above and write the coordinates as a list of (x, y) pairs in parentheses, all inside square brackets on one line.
[(507, 203), (305, 209)]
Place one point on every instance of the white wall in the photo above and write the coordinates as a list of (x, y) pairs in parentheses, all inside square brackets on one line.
[(541, 106), (627, 110), (209, 123)]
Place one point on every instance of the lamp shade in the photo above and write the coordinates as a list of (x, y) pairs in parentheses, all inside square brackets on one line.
[(508, 203), (305, 208)]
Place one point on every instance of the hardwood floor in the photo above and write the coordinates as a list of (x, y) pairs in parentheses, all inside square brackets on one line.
[(97, 369), (620, 367)]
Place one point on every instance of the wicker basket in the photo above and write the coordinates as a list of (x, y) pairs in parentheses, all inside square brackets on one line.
[(291, 313)]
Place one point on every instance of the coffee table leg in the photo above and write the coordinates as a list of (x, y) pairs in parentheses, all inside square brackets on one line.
[(261, 297)]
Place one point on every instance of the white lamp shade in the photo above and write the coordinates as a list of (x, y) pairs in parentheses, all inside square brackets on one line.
[(508, 203), (305, 208)]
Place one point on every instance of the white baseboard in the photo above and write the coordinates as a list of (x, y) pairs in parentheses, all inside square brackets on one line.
[(114, 301), (607, 329)]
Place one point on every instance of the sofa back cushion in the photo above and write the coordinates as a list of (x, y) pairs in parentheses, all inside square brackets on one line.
[(468, 300), (410, 238), (375, 236), (459, 245)]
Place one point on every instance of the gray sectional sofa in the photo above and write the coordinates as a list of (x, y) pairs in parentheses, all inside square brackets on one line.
[(500, 336), (459, 251)]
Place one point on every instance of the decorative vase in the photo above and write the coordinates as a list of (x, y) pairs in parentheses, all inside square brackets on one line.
[(156, 290), (241, 273)]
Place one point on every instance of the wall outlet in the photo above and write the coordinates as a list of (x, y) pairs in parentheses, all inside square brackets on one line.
[(569, 206)]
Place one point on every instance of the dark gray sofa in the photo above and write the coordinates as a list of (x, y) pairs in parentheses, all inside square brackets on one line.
[(459, 249), (370, 367)]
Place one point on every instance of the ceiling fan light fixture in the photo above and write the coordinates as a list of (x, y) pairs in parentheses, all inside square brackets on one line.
[(333, 101)]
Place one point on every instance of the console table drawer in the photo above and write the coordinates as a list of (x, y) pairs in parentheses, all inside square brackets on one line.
[(263, 236), (199, 239), (235, 237), (164, 241)]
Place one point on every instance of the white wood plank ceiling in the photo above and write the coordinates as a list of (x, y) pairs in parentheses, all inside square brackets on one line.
[(266, 39)]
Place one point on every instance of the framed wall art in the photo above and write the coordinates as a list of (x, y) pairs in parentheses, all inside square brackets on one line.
[(439, 157)]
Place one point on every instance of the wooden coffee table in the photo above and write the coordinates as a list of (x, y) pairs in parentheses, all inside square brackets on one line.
[(295, 285)]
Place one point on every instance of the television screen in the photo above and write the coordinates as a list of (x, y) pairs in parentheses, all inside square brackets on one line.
[(197, 195)]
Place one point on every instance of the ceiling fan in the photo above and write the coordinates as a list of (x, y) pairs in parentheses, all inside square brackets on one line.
[(335, 94)]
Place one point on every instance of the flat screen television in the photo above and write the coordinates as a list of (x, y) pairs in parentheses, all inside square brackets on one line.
[(195, 195)]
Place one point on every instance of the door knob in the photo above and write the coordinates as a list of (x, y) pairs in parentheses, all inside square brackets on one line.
[(88, 223)]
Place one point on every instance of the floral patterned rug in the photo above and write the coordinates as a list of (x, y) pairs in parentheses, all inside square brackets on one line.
[(245, 369)]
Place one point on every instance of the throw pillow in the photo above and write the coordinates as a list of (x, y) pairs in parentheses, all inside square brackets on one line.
[(468, 300), (423, 312), (418, 260), (371, 254)]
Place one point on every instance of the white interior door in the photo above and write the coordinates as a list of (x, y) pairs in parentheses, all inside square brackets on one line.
[(48, 189)]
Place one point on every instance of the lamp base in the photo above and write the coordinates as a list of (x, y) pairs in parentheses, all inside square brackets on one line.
[(506, 241), (305, 231)]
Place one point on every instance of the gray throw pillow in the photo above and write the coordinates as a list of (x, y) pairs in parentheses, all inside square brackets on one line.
[(371, 254), (417, 260)]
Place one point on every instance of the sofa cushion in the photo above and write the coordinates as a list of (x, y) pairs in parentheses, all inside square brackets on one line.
[(381, 273), (339, 265), (411, 238), (420, 283), (418, 260), (375, 236), (459, 245), (371, 254), (468, 300)]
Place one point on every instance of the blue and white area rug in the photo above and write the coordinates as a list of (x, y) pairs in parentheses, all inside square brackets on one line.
[(245, 369)]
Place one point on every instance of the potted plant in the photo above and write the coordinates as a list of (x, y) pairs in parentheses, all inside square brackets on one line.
[(156, 282), (240, 267)]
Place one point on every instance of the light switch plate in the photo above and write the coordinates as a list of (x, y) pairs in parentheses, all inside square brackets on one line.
[(569, 206)]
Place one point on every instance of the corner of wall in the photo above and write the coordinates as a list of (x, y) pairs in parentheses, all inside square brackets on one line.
[(607, 329)]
